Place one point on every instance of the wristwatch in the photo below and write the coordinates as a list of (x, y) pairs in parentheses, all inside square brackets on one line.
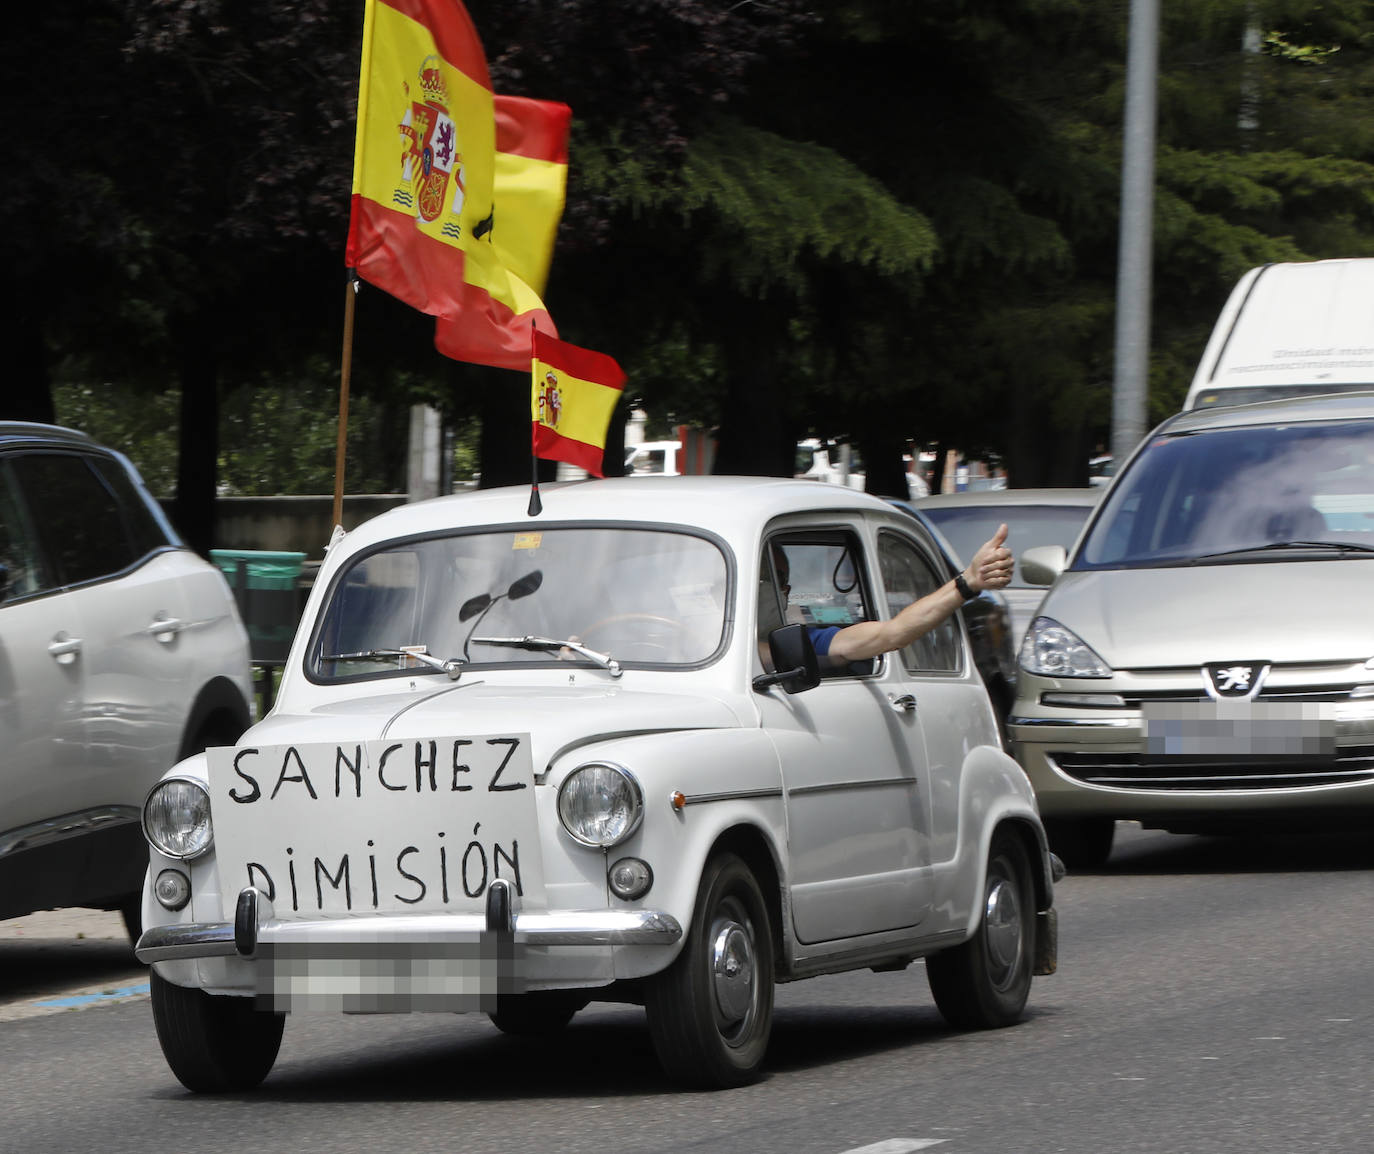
[(963, 586)]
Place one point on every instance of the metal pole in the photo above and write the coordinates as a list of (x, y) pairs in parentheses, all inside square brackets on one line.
[(345, 375), (1137, 218)]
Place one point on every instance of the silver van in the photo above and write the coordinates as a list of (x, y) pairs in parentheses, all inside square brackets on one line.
[(1206, 655)]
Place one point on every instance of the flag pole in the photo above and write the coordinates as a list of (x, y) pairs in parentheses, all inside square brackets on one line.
[(345, 373), (536, 505)]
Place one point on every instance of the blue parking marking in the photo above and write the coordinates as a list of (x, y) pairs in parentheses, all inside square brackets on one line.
[(91, 999)]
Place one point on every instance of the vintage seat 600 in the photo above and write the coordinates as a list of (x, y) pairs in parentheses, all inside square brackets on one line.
[(521, 763)]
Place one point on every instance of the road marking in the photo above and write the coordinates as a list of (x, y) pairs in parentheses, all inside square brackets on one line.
[(75, 1000), (897, 1146)]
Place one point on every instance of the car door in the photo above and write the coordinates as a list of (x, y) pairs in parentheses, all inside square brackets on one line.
[(128, 654), (945, 691), (41, 730), (851, 750)]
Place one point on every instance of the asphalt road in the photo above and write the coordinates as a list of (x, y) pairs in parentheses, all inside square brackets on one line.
[(1213, 996)]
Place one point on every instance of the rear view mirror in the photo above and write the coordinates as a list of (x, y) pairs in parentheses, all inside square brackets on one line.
[(526, 585), (794, 659)]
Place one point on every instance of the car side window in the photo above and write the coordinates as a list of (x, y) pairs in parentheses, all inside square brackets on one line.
[(908, 576), (24, 571), (815, 579), (82, 530)]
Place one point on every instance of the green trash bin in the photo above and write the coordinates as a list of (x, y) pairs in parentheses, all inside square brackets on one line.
[(266, 587)]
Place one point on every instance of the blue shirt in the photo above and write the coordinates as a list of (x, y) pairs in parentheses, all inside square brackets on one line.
[(821, 637)]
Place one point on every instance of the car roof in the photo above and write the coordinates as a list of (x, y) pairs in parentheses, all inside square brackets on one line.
[(996, 498), (18, 433), (1318, 407), (730, 506)]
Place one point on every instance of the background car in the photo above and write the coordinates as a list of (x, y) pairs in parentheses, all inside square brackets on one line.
[(120, 654), (987, 618), (1204, 659), (1032, 517), (517, 764)]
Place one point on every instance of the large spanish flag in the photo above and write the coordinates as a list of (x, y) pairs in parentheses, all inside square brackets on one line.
[(575, 392), (531, 183), (424, 182)]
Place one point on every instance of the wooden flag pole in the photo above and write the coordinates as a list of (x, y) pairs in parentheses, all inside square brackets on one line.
[(536, 505), (345, 374)]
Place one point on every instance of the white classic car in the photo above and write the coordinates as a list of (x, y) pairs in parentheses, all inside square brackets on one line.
[(520, 763)]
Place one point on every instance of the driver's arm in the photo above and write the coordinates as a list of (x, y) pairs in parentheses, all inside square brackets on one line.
[(990, 568)]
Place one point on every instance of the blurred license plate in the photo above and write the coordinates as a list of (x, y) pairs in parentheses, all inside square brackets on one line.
[(1237, 728)]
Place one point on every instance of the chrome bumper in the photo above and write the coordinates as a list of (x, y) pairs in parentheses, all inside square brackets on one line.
[(255, 925)]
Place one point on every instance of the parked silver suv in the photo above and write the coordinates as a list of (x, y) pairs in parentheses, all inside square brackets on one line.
[(121, 653)]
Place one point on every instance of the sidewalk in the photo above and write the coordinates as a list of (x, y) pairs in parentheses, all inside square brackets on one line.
[(71, 925)]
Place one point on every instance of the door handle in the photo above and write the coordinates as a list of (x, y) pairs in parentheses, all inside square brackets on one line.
[(165, 629), (64, 648), (906, 703)]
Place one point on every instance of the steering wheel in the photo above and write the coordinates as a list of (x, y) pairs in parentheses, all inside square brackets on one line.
[(675, 628)]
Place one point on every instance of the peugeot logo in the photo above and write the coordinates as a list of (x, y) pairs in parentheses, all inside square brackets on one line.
[(1234, 680)]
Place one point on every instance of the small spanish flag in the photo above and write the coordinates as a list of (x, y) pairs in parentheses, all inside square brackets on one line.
[(575, 391)]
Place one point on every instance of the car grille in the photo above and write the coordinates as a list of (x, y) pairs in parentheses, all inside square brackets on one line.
[(1143, 771), (1313, 693)]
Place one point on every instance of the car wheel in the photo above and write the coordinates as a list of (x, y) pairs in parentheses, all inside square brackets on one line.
[(1081, 842), (984, 983), (214, 1043), (711, 1012), (537, 1014)]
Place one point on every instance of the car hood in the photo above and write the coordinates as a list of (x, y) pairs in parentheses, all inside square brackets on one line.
[(1280, 612), (556, 718)]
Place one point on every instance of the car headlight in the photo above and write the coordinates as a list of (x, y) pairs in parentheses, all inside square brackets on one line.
[(600, 804), (176, 818), (1050, 650)]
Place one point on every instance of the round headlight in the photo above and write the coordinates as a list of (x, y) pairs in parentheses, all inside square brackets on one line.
[(176, 818), (600, 805)]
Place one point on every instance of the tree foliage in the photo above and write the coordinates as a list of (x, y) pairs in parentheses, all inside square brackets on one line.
[(889, 222)]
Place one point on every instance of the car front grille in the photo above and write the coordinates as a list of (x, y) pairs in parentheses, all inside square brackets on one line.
[(1145, 771), (1304, 693)]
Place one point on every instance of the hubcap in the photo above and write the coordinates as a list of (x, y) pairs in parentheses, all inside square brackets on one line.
[(732, 971), (1003, 930)]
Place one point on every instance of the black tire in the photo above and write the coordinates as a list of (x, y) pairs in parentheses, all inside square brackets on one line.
[(1081, 843), (983, 983), (214, 1043), (537, 1014), (711, 1012)]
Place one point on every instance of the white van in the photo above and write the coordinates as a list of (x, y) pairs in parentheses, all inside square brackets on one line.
[(1288, 329)]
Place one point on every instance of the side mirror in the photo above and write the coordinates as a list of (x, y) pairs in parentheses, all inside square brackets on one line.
[(794, 658), (1041, 564)]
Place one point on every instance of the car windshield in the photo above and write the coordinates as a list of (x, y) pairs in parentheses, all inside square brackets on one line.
[(1254, 493), (966, 527), (643, 597)]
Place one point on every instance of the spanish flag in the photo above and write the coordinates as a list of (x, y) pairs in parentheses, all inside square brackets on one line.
[(575, 392), (424, 174), (531, 183)]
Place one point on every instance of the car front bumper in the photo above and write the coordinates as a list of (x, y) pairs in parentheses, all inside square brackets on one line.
[(401, 962), (1190, 762)]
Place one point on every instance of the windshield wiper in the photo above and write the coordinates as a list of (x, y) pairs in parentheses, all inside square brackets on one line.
[(1281, 546), (605, 660), (453, 666)]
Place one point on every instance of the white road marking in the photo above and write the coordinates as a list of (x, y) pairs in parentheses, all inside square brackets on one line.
[(897, 1146)]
